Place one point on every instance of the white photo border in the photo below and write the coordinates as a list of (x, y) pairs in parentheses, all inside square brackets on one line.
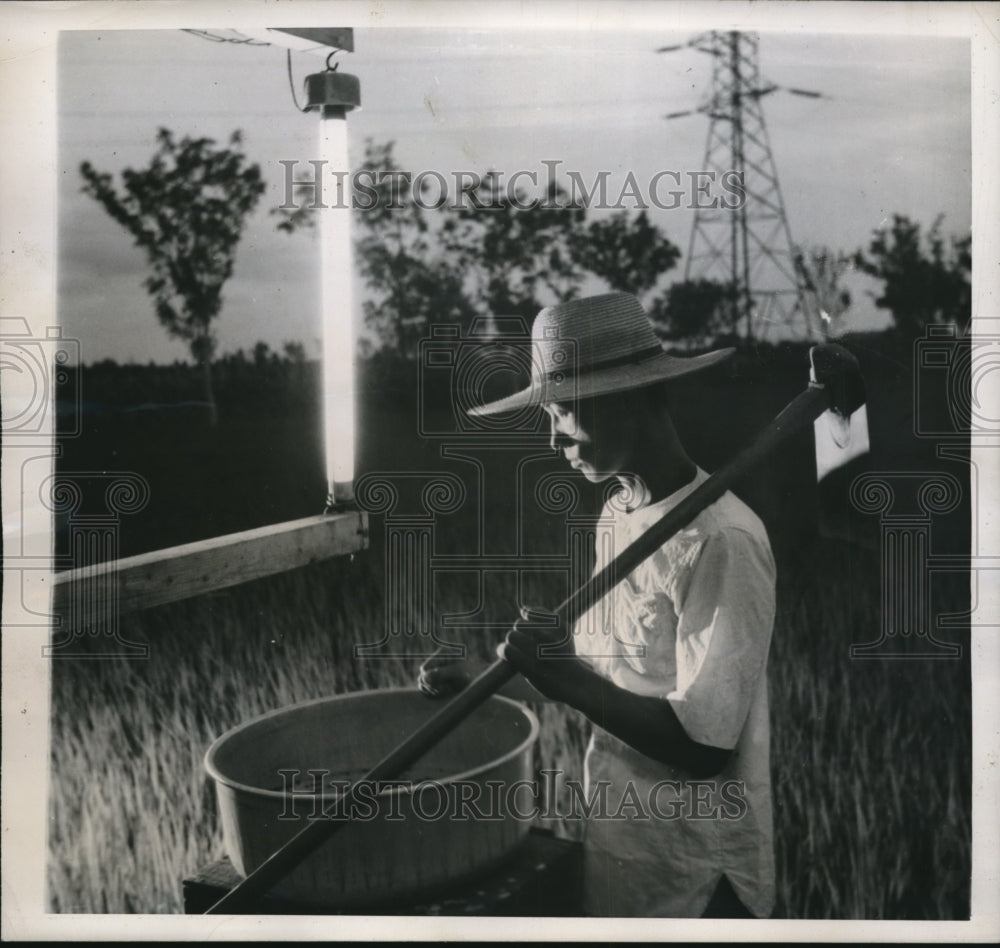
[(28, 211)]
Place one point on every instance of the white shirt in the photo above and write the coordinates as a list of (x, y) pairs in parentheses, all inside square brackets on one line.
[(692, 625)]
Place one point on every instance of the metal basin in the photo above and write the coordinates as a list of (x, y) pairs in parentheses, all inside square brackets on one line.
[(460, 810)]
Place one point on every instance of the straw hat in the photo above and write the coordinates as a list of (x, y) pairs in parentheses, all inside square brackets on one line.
[(594, 346)]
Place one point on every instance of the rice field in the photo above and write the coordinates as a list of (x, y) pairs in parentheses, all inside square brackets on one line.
[(870, 760)]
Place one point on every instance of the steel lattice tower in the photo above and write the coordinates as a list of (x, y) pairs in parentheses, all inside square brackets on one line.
[(749, 247)]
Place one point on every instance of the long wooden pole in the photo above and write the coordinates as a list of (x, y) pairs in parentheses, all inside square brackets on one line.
[(802, 410)]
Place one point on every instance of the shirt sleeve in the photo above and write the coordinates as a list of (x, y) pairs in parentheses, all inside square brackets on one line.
[(725, 611)]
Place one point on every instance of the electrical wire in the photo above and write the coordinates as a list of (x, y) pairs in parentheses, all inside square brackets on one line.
[(291, 83), (213, 38)]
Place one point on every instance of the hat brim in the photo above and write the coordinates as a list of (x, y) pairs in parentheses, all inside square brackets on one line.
[(620, 378)]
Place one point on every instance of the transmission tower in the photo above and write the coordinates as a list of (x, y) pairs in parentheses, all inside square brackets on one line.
[(748, 247)]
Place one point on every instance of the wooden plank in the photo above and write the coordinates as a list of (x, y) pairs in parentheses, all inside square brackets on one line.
[(180, 572), (335, 37)]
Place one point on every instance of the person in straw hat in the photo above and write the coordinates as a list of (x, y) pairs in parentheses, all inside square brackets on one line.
[(670, 666)]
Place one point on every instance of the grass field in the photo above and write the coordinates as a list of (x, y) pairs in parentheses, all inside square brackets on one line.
[(870, 759)]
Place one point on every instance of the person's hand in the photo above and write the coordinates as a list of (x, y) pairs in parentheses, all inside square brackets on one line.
[(442, 676), (539, 647)]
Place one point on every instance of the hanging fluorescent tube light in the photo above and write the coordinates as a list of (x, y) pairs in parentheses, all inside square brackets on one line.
[(334, 94)]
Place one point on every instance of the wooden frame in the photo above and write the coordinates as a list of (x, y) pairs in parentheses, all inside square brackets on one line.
[(180, 572), (90, 595)]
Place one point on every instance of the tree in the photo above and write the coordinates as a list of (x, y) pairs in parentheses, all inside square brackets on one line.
[(494, 252), (186, 210), (295, 352), (695, 311), (398, 251), (629, 253), (413, 284), (511, 248), (926, 278), (820, 270)]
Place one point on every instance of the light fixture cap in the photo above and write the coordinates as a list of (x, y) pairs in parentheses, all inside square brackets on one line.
[(333, 89)]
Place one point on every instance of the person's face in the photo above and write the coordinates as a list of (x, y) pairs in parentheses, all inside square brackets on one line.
[(593, 434)]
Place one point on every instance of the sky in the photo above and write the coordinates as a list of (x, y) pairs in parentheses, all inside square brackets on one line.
[(890, 134)]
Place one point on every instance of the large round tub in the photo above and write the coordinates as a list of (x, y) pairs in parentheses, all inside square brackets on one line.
[(459, 811)]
